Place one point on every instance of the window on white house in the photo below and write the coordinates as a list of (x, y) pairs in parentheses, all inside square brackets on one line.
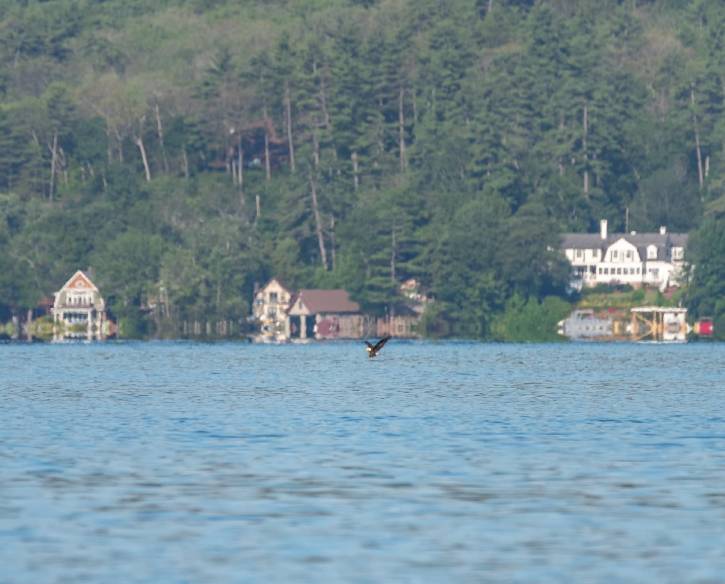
[(651, 252), (625, 271), (273, 297), (677, 253), (614, 254), (628, 254), (579, 254)]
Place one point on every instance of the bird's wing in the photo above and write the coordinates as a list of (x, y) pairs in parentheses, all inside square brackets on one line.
[(379, 345), (369, 345)]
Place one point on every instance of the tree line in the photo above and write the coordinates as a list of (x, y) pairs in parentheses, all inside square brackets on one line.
[(186, 150)]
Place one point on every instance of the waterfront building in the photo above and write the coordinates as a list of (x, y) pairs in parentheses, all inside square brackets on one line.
[(79, 311), (269, 310), (324, 314), (641, 323), (636, 259), (659, 323), (586, 324), (402, 322)]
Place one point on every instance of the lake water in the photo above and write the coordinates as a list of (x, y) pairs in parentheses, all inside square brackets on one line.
[(436, 462)]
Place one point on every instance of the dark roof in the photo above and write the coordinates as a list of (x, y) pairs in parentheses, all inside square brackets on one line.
[(317, 301), (640, 240)]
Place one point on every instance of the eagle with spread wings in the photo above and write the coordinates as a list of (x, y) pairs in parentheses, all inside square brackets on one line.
[(373, 350)]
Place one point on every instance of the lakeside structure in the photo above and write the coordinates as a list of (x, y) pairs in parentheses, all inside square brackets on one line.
[(324, 314), (79, 311), (640, 323), (636, 259), (284, 314)]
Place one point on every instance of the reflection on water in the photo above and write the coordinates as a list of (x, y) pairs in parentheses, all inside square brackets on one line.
[(183, 462)]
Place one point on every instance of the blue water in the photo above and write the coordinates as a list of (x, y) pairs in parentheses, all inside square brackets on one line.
[(436, 462)]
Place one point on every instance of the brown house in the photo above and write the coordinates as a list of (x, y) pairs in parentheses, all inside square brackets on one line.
[(324, 314)]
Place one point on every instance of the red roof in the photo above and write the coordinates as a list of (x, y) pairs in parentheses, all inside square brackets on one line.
[(317, 301)]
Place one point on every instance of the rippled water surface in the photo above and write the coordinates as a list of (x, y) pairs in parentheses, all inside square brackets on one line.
[(450, 462)]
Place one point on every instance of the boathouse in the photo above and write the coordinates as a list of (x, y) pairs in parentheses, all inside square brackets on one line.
[(324, 314)]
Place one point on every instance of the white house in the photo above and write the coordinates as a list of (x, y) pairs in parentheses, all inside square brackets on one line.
[(637, 259)]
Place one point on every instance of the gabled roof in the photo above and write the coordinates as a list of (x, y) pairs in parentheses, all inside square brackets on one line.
[(641, 241), (317, 301), (280, 282), (80, 281), (284, 286)]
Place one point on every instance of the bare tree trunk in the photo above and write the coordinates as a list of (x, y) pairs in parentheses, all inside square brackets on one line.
[(585, 123), (139, 142), (489, 7), (393, 254), (333, 243), (323, 104), (109, 142), (185, 162), (698, 149), (561, 131), (29, 324), (160, 133), (315, 148), (240, 170), (63, 164), (401, 129), (258, 205), (318, 223), (53, 163), (355, 177), (119, 141), (415, 108), (288, 115), (267, 162)]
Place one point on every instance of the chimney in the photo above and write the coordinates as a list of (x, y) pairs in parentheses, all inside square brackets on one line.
[(603, 228), (663, 230)]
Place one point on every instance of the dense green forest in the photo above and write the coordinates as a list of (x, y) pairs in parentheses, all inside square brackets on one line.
[(184, 150)]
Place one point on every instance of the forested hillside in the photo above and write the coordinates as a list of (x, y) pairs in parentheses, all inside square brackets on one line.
[(185, 149)]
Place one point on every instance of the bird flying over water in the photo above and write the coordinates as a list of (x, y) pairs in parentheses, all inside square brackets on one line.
[(373, 350)]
